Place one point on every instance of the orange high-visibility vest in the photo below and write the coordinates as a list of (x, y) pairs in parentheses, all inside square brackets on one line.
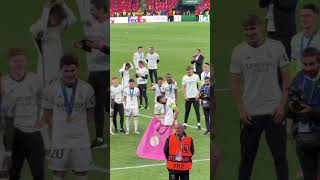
[(181, 149)]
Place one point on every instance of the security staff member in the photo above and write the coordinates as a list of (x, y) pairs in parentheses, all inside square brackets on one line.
[(179, 151)]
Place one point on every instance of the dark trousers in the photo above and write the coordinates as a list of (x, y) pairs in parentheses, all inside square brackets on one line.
[(276, 137), (27, 146), (99, 80), (310, 162), (206, 112), (118, 108), (196, 106), (143, 93), (178, 176), (198, 73), (153, 73)]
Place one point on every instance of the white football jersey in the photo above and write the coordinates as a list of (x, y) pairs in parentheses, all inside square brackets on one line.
[(204, 75), (125, 74), (169, 89), (157, 91), (152, 60), (47, 41), (191, 83), (138, 57), (298, 41), (168, 111), (142, 72), (26, 93), (131, 95), (65, 134), (116, 93)]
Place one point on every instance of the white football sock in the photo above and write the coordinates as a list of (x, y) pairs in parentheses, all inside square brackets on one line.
[(128, 123), (136, 122)]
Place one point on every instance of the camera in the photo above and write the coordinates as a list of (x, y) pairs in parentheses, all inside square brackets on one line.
[(296, 99)]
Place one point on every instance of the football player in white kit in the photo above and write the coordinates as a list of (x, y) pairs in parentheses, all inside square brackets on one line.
[(68, 106), (7, 111), (158, 108), (26, 89), (170, 89), (138, 56), (171, 111), (130, 95), (46, 35), (125, 73)]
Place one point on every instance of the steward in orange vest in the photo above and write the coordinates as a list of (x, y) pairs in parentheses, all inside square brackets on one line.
[(179, 151)]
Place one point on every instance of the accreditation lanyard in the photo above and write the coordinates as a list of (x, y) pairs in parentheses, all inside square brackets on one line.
[(302, 48)]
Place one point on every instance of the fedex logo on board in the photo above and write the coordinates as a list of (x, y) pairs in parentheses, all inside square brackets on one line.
[(138, 19)]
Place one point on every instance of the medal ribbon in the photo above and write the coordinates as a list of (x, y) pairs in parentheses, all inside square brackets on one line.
[(131, 92), (69, 104)]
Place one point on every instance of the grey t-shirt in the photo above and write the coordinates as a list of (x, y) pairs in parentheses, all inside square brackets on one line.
[(258, 68)]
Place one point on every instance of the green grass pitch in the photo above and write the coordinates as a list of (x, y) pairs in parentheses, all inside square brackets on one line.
[(16, 18), (175, 44)]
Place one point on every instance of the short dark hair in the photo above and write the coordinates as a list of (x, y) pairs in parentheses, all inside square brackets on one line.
[(128, 65), (140, 47), (198, 50), (141, 62), (159, 98), (251, 20), (131, 80), (207, 78), (160, 78), (69, 59), (314, 8), (207, 64), (311, 52)]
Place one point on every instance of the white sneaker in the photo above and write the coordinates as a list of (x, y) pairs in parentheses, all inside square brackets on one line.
[(127, 132), (136, 132)]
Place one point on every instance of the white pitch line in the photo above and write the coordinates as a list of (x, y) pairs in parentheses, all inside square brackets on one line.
[(150, 165), (99, 169), (194, 127)]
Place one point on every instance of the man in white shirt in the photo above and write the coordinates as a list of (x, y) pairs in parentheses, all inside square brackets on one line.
[(255, 63), (55, 19), (26, 89), (68, 107), (7, 112), (158, 108), (206, 71), (191, 91), (142, 80), (125, 74), (171, 111), (138, 56), (130, 96), (169, 88), (96, 44), (152, 59), (310, 35), (116, 91)]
